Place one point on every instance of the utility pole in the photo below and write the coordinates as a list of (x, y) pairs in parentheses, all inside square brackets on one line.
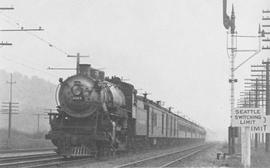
[(6, 8), (38, 120), (20, 29), (78, 56), (265, 89), (11, 82), (23, 29), (256, 106), (266, 47), (11, 109), (254, 98), (267, 105), (6, 43)]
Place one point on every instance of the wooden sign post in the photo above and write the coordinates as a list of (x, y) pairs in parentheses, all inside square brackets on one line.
[(247, 118), (245, 146)]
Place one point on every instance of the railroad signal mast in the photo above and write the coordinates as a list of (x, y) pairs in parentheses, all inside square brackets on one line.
[(10, 108), (229, 24)]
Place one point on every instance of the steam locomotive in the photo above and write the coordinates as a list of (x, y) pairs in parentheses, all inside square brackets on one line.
[(98, 115)]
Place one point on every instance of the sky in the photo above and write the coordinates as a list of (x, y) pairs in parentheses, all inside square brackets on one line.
[(173, 49)]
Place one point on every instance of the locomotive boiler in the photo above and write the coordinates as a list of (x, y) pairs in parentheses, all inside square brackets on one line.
[(81, 96)]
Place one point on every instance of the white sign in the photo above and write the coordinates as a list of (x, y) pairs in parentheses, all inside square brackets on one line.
[(264, 128), (247, 117)]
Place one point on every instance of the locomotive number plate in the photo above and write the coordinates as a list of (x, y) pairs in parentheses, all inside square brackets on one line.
[(77, 98)]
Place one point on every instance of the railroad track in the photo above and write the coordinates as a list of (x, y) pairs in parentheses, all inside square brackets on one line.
[(53, 160), (28, 160), (168, 159), (38, 160), (26, 150)]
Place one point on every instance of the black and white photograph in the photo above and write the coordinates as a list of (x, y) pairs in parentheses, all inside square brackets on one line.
[(134, 83)]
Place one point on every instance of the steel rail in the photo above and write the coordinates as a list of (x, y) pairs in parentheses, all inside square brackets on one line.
[(26, 157), (183, 157), (60, 163), (26, 150), (31, 162), (133, 164)]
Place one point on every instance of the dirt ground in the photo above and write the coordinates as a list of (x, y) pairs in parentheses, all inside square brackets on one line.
[(206, 159), (259, 158)]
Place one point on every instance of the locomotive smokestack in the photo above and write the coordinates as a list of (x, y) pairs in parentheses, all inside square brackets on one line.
[(145, 96), (84, 69)]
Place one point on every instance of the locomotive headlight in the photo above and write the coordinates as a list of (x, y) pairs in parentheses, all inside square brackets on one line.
[(76, 90)]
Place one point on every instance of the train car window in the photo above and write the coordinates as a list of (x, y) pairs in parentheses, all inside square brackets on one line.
[(174, 127), (177, 126), (167, 124), (171, 126), (155, 119), (162, 123), (152, 122)]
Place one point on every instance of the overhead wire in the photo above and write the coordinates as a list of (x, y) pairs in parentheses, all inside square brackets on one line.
[(27, 66), (16, 23)]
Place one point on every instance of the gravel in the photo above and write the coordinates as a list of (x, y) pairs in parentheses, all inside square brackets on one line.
[(206, 158), (126, 158)]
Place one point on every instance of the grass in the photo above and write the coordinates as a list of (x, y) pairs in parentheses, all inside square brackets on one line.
[(260, 158), (23, 140)]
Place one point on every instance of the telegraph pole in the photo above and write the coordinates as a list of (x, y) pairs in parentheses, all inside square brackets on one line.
[(254, 97), (38, 120), (6, 8), (6, 43), (20, 29), (267, 105), (78, 56), (265, 34), (256, 106), (23, 29), (10, 109), (11, 83)]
